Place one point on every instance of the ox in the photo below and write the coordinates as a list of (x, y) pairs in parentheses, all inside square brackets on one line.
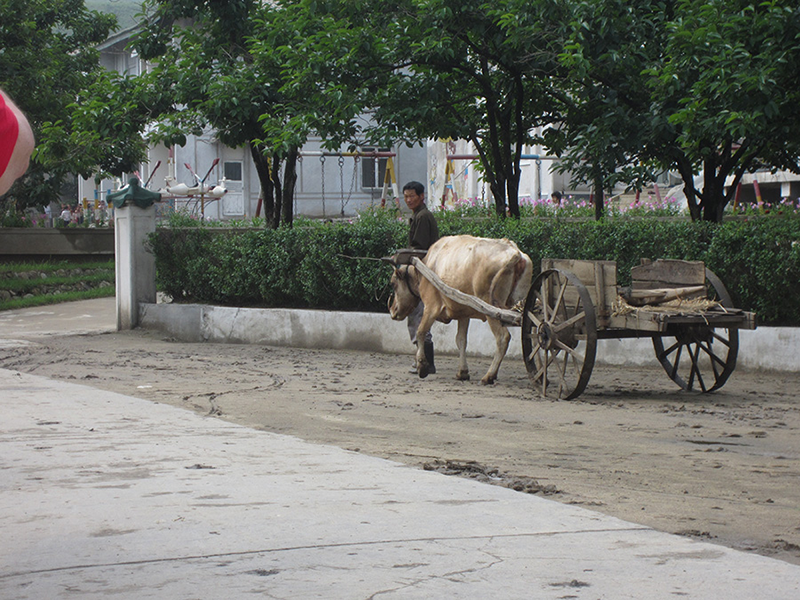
[(493, 270)]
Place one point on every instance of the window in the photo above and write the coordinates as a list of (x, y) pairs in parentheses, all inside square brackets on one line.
[(373, 170), (232, 171)]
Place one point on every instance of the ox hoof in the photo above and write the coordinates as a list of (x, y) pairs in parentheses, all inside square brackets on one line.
[(462, 376), (423, 370)]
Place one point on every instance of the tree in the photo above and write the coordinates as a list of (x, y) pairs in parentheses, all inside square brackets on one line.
[(204, 50), (683, 85), (727, 96), (48, 57), (424, 69), (468, 76), (606, 123), (106, 123)]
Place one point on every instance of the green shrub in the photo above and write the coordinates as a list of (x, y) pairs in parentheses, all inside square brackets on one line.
[(758, 260), (315, 264)]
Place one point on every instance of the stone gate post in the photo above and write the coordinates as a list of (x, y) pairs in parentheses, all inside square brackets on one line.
[(135, 266)]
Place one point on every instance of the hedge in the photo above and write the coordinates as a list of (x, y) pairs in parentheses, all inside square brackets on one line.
[(313, 265)]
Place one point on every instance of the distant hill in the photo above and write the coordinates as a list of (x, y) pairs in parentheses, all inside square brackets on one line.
[(125, 10)]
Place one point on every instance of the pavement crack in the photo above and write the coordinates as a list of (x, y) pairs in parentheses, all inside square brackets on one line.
[(222, 555)]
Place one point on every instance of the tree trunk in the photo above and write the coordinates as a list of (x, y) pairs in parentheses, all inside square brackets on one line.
[(687, 175), (261, 162), (512, 185), (289, 184), (276, 181), (713, 192), (599, 197), (517, 107), (499, 193), (495, 179)]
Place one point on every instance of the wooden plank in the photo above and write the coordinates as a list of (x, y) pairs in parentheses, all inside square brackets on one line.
[(644, 320), (602, 306), (594, 275), (668, 273), (735, 319), (642, 297), (583, 269), (508, 317), (639, 321)]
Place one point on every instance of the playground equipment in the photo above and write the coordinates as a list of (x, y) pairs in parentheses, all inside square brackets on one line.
[(199, 190), (389, 178)]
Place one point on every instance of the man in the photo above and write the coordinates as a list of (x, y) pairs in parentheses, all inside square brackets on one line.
[(422, 233), (16, 143)]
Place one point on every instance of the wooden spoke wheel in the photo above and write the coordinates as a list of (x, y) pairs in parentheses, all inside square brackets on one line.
[(559, 335), (699, 357)]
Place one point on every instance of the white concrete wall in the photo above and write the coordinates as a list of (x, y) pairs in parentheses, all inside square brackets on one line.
[(767, 348)]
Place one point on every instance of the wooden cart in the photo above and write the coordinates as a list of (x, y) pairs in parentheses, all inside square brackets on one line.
[(681, 305)]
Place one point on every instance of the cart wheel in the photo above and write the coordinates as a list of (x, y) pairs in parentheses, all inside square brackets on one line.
[(697, 356), (559, 335)]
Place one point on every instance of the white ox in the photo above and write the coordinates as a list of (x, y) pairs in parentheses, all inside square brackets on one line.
[(493, 270)]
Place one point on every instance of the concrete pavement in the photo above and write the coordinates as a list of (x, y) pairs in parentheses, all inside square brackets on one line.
[(106, 495), (68, 318)]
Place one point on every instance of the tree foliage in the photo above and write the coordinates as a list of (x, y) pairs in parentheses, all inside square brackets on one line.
[(469, 77), (47, 57), (727, 95), (202, 50), (605, 46), (433, 69), (685, 86), (619, 90)]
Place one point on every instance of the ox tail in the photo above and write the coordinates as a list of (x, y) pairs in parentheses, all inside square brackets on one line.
[(523, 274), (511, 283)]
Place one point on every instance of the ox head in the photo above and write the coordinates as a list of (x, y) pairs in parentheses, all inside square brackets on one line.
[(405, 292)]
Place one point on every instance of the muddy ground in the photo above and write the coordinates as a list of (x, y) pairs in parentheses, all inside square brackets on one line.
[(723, 467)]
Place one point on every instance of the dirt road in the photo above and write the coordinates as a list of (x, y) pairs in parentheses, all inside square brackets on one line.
[(723, 467)]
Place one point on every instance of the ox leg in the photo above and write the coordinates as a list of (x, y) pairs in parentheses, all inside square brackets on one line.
[(502, 337), (461, 344), (425, 324)]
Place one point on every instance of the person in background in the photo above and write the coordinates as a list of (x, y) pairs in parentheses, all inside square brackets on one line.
[(16, 143), (66, 214), (423, 231)]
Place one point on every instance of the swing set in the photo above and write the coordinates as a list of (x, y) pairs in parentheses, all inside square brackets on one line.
[(389, 178)]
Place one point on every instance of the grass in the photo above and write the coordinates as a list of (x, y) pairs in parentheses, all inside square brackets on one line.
[(50, 267), (57, 298), (22, 286), (103, 272)]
